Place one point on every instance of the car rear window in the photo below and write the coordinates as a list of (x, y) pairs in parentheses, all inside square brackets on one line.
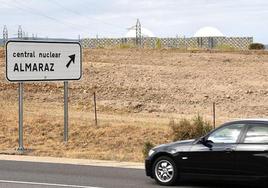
[(257, 134)]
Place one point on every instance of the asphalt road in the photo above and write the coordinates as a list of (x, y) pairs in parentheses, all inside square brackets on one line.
[(15, 174)]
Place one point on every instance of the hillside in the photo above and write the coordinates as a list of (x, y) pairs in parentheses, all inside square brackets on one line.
[(138, 93)]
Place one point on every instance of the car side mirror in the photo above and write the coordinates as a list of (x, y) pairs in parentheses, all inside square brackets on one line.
[(209, 143), (206, 142)]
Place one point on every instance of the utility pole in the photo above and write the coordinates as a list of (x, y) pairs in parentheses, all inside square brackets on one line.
[(138, 33), (5, 34), (185, 43), (19, 32)]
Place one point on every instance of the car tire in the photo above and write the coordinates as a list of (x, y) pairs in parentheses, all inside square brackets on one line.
[(266, 182), (263, 183), (165, 171)]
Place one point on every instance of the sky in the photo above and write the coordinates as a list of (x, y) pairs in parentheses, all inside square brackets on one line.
[(112, 18)]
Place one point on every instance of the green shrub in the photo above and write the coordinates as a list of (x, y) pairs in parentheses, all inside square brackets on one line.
[(225, 47), (189, 129), (256, 46), (181, 130), (101, 46), (202, 127), (146, 148), (158, 44), (125, 46)]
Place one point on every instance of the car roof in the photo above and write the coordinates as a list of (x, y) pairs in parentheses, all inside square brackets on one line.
[(256, 120)]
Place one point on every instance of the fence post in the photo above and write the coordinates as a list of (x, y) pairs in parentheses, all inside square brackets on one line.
[(214, 114), (95, 108)]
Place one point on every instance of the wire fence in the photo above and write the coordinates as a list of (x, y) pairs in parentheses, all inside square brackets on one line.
[(240, 43)]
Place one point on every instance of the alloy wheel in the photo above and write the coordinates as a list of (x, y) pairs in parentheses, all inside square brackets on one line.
[(164, 171)]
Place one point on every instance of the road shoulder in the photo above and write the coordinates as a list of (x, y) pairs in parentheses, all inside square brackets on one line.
[(86, 162)]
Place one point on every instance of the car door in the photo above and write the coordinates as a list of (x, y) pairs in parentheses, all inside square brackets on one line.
[(252, 153), (219, 157)]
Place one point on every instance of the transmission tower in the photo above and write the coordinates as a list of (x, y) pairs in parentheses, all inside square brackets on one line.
[(138, 33), (19, 32), (5, 34)]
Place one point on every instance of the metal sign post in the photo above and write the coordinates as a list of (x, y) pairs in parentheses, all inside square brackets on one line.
[(21, 148), (65, 111)]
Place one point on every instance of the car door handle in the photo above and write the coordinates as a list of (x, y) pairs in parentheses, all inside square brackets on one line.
[(229, 149)]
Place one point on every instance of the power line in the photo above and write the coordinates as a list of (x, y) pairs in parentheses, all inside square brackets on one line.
[(22, 7), (50, 17), (85, 16), (30, 10), (33, 11)]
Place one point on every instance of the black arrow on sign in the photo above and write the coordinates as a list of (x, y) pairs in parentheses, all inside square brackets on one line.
[(72, 58)]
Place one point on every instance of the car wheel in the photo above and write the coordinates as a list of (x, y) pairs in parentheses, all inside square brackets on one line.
[(266, 183), (165, 171), (263, 183)]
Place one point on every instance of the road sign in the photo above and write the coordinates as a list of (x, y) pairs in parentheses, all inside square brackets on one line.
[(43, 61)]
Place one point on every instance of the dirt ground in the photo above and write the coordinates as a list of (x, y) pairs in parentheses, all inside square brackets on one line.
[(139, 91)]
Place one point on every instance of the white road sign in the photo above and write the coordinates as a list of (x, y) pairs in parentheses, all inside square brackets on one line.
[(43, 61)]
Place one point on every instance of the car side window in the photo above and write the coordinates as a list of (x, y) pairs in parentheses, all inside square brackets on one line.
[(226, 134), (257, 134)]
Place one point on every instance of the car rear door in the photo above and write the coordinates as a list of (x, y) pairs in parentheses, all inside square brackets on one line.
[(252, 153)]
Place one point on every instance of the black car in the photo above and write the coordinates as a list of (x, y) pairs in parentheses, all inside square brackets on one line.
[(236, 150)]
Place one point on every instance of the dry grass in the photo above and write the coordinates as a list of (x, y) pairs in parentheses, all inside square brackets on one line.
[(138, 92), (43, 133)]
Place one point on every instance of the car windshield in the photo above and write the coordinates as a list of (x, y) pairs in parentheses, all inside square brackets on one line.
[(227, 134)]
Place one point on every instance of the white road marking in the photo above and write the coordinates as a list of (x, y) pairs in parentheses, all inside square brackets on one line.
[(45, 184)]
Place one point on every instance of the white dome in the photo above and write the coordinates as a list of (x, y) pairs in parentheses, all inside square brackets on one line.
[(144, 32), (208, 32)]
